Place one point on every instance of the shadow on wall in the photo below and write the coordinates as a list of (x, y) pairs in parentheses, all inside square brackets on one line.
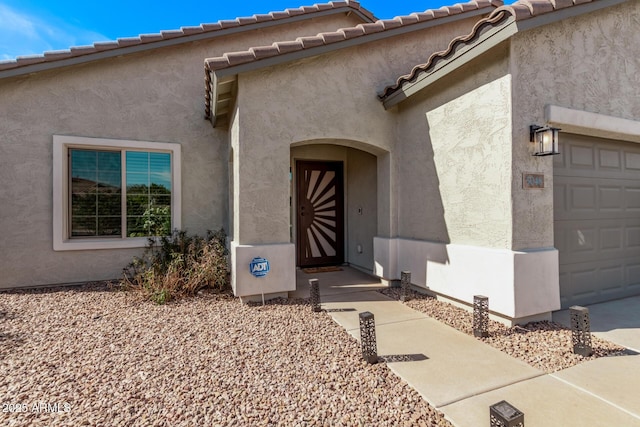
[(422, 227), (454, 169)]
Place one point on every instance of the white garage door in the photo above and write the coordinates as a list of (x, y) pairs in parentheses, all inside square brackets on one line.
[(597, 219)]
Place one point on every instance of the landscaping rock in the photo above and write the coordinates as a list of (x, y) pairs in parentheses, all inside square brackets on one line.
[(92, 355)]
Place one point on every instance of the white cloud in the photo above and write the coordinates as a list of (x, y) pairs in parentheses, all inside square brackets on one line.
[(22, 33)]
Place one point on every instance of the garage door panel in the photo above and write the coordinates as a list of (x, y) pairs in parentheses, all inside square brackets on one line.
[(584, 244), (559, 198), (588, 282), (595, 198), (597, 219), (633, 237), (633, 274), (584, 240), (581, 156), (611, 277), (632, 161), (608, 238), (611, 197), (632, 198), (609, 159), (583, 198), (611, 239), (559, 161)]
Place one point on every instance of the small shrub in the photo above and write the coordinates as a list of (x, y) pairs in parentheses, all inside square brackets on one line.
[(179, 265)]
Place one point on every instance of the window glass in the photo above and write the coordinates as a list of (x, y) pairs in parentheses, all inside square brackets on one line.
[(95, 193), (148, 194)]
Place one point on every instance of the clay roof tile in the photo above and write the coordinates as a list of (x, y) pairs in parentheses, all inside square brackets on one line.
[(263, 17), (229, 23), (171, 34), (309, 42), (149, 38), (295, 12), (374, 27), (236, 58), (82, 50), (332, 37), (53, 55), (192, 30), (30, 59), (279, 15), (538, 7), (218, 63), (351, 33), (189, 30), (286, 47), (128, 41), (262, 52), (7, 64), (100, 46), (247, 20), (215, 26)]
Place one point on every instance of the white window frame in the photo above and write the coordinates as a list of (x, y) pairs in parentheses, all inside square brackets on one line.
[(61, 232)]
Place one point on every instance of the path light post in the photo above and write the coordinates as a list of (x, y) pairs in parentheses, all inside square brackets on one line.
[(314, 290), (480, 316), (405, 282), (368, 337), (580, 330), (503, 414)]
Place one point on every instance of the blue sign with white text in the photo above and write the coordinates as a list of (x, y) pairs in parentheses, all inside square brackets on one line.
[(259, 267)]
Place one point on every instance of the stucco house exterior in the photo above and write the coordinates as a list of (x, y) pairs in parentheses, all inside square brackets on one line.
[(329, 137)]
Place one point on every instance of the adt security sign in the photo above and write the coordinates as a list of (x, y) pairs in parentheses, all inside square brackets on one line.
[(259, 267)]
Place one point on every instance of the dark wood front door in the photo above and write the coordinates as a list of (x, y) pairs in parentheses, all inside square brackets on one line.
[(320, 214)]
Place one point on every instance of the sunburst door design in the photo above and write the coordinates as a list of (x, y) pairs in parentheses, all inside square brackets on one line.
[(320, 213)]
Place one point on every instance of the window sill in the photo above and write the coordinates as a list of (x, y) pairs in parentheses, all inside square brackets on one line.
[(91, 244)]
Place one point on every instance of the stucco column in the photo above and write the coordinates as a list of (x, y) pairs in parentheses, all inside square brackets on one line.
[(260, 212)]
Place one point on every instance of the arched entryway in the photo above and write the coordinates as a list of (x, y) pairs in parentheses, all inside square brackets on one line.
[(334, 203)]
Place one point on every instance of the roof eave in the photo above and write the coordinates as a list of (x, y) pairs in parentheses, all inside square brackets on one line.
[(460, 57), (319, 50), (44, 65), (501, 32)]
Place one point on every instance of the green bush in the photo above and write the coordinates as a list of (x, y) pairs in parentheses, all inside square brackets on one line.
[(179, 265)]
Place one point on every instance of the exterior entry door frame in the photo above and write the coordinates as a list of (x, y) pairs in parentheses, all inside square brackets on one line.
[(319, 213)]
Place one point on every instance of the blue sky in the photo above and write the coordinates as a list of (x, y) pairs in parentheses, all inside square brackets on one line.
[(30, 27)]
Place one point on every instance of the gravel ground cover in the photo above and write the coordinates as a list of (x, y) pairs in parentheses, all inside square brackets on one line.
[(96, 356), (544, 345)]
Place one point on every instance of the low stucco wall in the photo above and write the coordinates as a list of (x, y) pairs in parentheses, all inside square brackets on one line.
[(519, 284), (282, 269)]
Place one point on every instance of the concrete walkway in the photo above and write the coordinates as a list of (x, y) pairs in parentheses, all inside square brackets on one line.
[(461, 376)]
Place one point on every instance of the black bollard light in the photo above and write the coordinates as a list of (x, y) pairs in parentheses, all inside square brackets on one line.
[(368, 337), (503, 414), (480, 316), (405, 282), (580, 330), (314, 290)]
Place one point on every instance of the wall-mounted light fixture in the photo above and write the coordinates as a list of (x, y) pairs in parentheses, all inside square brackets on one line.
[(545, 138)]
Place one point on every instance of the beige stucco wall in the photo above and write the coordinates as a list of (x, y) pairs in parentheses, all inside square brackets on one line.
[(151, 96), (328, 97), (362, 212), (454, 170), (588, 63)]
